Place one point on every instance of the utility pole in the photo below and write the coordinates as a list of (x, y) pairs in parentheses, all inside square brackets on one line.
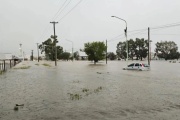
[(148, 45), (54, 23), (106, 51), (38, 51), (32, 55)]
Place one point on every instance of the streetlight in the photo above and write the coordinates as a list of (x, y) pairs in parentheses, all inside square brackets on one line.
[(125, 30), (21, 52), (72, 49), (38, 50)]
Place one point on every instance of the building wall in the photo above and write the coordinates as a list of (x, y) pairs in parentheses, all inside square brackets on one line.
[(5, 56)]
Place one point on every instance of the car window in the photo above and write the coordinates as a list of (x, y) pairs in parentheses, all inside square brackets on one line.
[(137, 64), (145, 65), (131, 65)]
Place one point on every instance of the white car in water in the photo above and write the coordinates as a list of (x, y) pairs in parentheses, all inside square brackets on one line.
[(137, 66)]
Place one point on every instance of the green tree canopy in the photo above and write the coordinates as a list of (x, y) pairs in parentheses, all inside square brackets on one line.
[(137, 48), (111, 56), (167, 50), (76, 55), (65, 56), (95, 51), (48, 47)]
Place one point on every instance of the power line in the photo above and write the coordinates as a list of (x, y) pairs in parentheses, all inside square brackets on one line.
[(165, 34), (116, 38), (59, 10), (166, 26), (44, 31), (63, 9), (143, 30), (70, 10), (48, 26)]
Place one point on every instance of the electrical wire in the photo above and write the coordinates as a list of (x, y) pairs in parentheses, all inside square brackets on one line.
[(143, 30), (48, 26), (63, 9), (44, 31), (167, 25), (116, 38), (70, 10), (59, 10)]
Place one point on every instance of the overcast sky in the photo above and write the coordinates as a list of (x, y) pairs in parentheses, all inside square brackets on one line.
[(28, 22)]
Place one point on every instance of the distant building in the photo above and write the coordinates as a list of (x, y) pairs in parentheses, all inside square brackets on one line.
[(82, 56), (6, 56)]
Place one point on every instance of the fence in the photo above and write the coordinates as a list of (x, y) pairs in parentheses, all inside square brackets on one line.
[(7, 64)]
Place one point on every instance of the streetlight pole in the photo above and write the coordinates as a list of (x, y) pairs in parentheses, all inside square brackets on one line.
[(38, 50), (125, 30), (72, 49), (21, 52)]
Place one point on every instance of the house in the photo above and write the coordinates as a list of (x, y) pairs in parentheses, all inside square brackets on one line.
[(82, 56)]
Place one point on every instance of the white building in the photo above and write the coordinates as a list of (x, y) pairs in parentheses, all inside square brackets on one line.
[(5, 56), (82, 55)]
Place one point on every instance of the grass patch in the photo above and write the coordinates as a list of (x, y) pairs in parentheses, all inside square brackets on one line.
[(37, 64), (1, 72), (85, 90), (45, 64), (75, 96), (98, 89), (23, 67)]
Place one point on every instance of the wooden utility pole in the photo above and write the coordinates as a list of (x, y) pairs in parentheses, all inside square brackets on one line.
[(106, 51), (148, 45), (32, 55), (54, 23)]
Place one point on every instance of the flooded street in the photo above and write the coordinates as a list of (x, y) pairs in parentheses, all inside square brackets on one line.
[(80, 90)]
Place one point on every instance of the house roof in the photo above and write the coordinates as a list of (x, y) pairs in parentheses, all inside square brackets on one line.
[(82, 54)]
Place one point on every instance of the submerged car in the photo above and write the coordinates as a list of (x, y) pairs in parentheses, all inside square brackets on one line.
[(137, 66)]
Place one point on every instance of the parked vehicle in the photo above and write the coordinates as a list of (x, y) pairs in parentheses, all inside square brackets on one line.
[(137, 66)]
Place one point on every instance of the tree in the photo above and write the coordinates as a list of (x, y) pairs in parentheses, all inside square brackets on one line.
[(111, 56), (167, 50), (65, 56), (141, 48), (138, 48), (121, 50), (95, 51), (48, 47), (76, 55), (131, 48)]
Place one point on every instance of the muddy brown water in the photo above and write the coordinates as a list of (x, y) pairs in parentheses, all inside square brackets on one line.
[(80, 90)]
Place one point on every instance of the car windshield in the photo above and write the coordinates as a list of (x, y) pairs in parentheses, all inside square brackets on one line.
[(131, 65), (137, 64)]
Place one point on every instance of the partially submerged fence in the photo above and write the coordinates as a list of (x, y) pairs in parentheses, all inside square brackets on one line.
[(6, 64)]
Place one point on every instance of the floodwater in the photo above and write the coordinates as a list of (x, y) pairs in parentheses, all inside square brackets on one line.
[(80, 90)]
